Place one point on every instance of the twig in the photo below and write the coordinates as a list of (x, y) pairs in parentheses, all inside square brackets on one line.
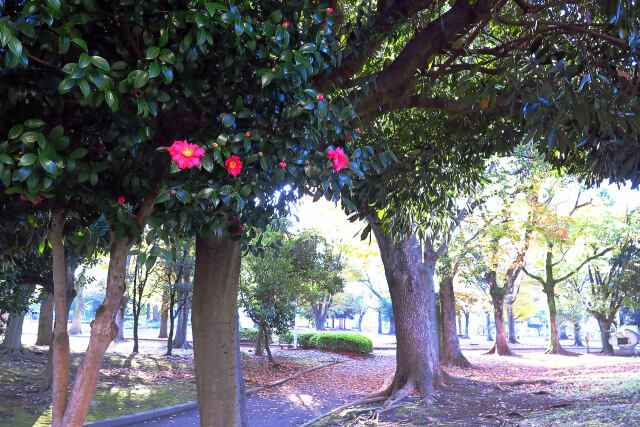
[(292, 377)]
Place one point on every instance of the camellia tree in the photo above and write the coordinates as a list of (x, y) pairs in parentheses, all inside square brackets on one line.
[(203, 114)]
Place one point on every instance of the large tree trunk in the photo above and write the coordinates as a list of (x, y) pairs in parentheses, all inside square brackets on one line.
[(563, 332), (413, 300), (488, 321), (164, 316), (156, 314), (577, 335), (45, 321), (605, 325), (180, 341), (392, 324), (258, 350), (512, 325), (451, 354), (103, 331), (12, 344), (218, 370), (76, 326), (501, 347), (320, 312)]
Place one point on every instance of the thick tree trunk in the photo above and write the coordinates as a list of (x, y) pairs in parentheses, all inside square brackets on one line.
[(605, 326), (76, 326), (45, 321), (103, 331), (120, 319), (12, 343), (466, 325), (451, 354), (501, 347), (156, 314), (218, 371), (413, 300), (577, 335), (392, 325), (60, 356), (512, 325), (489, 335), (563, 332), (320, 313)]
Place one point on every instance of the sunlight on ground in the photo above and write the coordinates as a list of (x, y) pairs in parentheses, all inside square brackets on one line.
[(301, 399)]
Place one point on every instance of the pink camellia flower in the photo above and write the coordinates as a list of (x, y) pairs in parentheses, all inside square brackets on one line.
[(234, 165), (185, 154), (214, 145), (283, 165), (330, 10), (236, 227), (286, 24), (320, 97), (338, 157), (173, 191), (306, 162), (121, 199), (358, 131), (248, 133)]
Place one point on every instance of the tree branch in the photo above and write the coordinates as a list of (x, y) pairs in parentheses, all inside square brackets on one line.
[(598, 255), (533, 276)]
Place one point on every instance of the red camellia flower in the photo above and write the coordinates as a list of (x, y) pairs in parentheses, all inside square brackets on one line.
[(40, 198), (338, 157), (320, 97), (234, 165), (329, 108), (324, 24), (330, 10), (248, 133), (185, 154), (283, 165), (286, 24), (173, 191), (121, 199), (306, 162), (236, 227)]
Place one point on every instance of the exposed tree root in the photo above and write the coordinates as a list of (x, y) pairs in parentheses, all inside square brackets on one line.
[(20, 352), (501, 352), (458, 360), (449, 379), (560, 351)]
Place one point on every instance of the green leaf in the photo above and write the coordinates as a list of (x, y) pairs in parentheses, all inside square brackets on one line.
[(29, 137), (140, 80), (93, 178), (84, 87), (26, 28), (27, 159), (63, 44), (267, 78), (112, 100), (4, 158), (167, 56), (15, 131), (34, 123), (207, 163), (78, 153), (15, 46), (213, 7), (154, 70), (66, 85), (228, 120), (101, 63), (153, 52), (81, 43), (84, 60)]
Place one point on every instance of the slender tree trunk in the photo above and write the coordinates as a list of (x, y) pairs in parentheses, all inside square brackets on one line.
[(466, 325), (60, 357), (12, 343), (103, 331), (577, 335), (45, 321), (180, 340), (512, 325), (489, 336), (267, 336), (122, 308), (451, 354), (459, 318), (148, 313), (218, 371), (136, 321), (605, 325), (76, 325), (380, 321), (258, 350), (172, 318), (164, 317), (412, 297), (360, 317), (156, 314)]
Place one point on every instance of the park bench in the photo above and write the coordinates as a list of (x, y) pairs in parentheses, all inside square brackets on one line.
[(625, 339)]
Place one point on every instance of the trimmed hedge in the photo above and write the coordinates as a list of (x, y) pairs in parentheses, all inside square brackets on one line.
[(286, 338), (248, 334), (305, 340), (342, 341)]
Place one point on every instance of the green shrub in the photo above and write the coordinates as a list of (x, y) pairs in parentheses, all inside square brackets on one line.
[(286, 338), (342, 341), (248, 334), (305, 340)]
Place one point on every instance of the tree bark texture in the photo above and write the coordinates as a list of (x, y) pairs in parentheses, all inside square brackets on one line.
[(259, 350), (218, 370), (412, 297), (488, 321), (120, 319), (321, 311), (60, 357), (392, 324), (12, 342), (577, 335), (501, 347), (512, 325), (180, 341), (45, 321), (156, 314), (164, 316), (605, 325), (451, 354), (554, 335), (78, 308)]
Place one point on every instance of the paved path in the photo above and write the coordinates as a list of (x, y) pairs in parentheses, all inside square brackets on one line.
[(306, 397)]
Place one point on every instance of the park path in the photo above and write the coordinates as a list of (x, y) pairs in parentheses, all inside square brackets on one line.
[(306, 397)]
